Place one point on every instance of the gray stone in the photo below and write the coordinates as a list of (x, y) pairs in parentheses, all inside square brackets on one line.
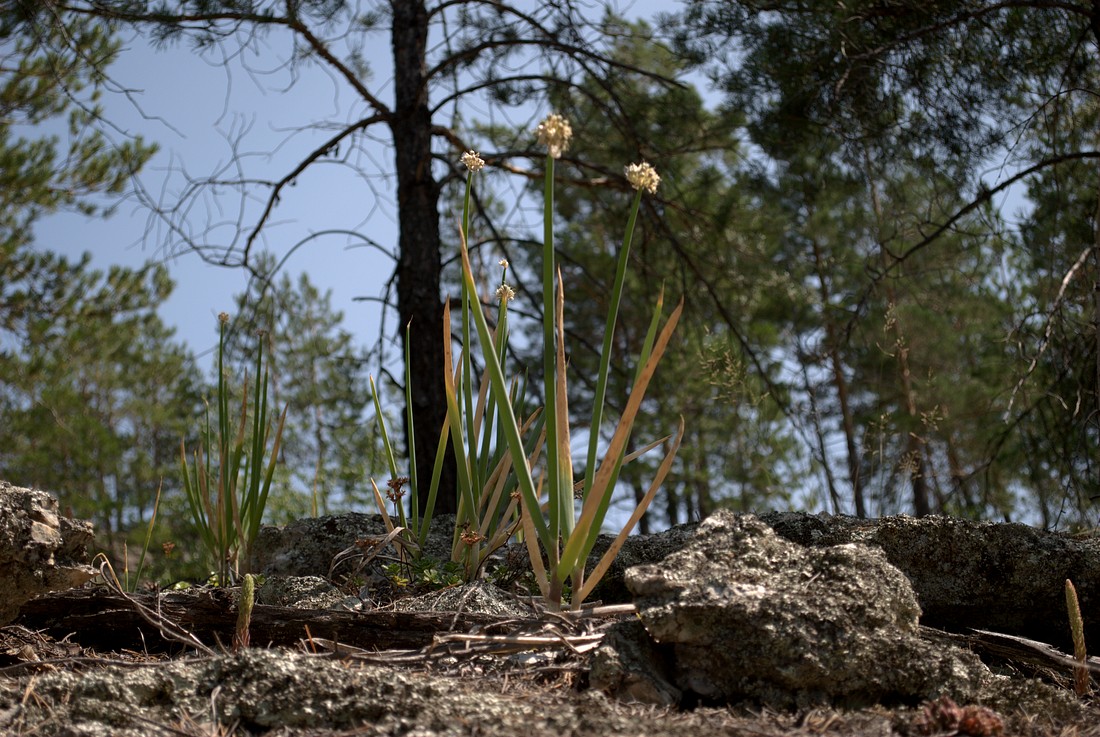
[(629, 665), (1003, 577), (744, 615), (307, 547), (40, 550), (637, 549), (299, 592)]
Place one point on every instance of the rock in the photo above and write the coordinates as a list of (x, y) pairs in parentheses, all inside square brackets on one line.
[(40, 550), (300, 592), (1004, 577), (631, 666), (637, 549), (741, 614), (307, 547)]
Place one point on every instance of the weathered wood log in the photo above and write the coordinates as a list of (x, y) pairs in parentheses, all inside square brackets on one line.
[(105, 620), (1036, 659)]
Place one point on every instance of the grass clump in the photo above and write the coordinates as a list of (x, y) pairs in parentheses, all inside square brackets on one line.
[(227, 498)]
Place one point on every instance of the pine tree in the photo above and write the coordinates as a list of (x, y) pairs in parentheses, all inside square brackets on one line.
[(96, 396), (690, 240), (890, 134), (88, 372)]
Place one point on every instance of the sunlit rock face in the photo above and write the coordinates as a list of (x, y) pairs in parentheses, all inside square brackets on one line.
[(740, 614), (40, 550)]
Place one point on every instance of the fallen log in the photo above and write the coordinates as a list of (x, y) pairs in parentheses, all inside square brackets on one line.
[(105, 620)]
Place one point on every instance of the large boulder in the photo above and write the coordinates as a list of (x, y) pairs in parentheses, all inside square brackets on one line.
[(966, 575), (1004, 577), (308, 546), (740, 614), (40, 550)]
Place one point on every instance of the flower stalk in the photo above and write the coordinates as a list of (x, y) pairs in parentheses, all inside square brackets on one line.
[(565, 538)]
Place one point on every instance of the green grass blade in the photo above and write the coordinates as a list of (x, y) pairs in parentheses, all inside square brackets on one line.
[(469, 416), (548, 360), (643, 359), (506, 417), (616, 545), (565, 454), (577, 546), (433, 490), (148, 534), (387, 446), (468, 506), (414, 481), (608, 337), (261, 502)]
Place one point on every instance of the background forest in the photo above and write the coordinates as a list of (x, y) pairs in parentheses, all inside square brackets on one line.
[(883, 215)]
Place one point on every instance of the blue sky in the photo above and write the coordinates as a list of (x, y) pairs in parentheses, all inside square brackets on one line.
[(197, 108), (192, 108)]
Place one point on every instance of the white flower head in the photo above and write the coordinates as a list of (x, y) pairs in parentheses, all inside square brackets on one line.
[(473, 161), (503, 263), (554, 133), (505, 293), (643, 176)]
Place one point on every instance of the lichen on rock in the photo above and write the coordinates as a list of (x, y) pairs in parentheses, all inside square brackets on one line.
[(744, 615), (40, 551)]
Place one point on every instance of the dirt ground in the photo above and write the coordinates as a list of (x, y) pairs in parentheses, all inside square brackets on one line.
[(477, 686)]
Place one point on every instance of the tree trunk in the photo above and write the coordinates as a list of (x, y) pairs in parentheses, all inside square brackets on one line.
[(914, 443), (419, 266), (855, 477)]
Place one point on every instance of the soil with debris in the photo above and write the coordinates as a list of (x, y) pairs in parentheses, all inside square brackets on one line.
[(497, 664), (287, 692)]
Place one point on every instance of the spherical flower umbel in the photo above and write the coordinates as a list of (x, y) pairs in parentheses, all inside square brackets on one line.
[(554, 133), (473, 161), (643, 176), (505, 293)]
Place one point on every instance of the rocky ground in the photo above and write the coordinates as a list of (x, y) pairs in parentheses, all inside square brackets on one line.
[(779, 625)]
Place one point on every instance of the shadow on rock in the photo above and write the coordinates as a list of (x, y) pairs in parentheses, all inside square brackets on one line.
[(742, 615)]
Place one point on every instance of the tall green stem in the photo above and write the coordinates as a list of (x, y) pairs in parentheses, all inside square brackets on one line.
[(555, 493), (608, 338)]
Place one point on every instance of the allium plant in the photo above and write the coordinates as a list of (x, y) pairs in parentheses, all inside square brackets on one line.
[(498, 444), (565, 538), (488, 510), (227, 500)]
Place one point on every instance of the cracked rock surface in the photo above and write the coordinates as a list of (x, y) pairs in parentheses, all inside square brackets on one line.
[(966, 574), (40, 550), (739, 631), (741, 614)]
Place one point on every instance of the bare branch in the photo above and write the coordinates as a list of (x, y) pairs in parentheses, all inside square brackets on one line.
[(320, 152)]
